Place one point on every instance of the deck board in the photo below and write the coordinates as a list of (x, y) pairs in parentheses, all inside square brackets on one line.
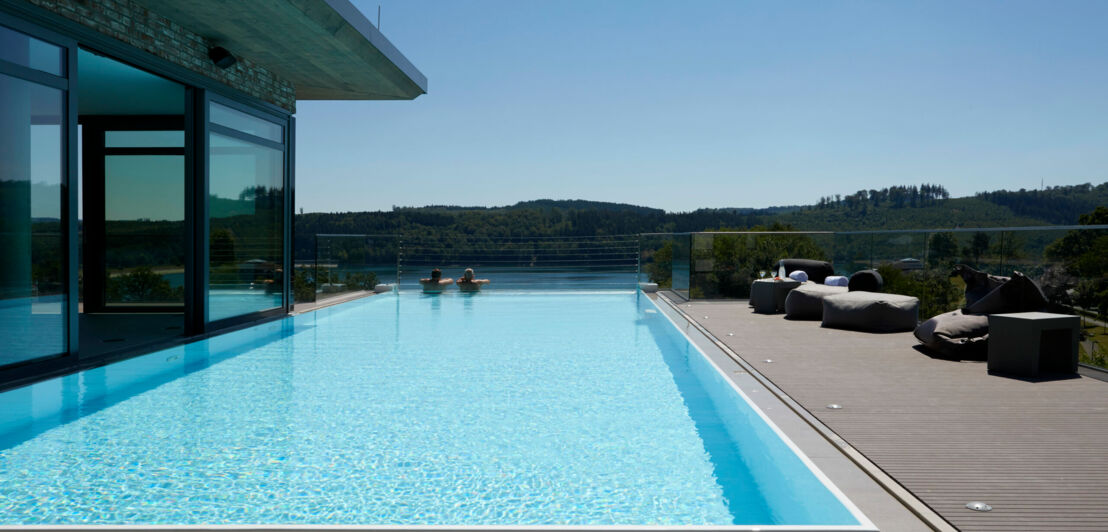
[(946, 430)]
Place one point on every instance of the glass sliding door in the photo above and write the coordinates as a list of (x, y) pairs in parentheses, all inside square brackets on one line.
[(246, 213), (33, 255)]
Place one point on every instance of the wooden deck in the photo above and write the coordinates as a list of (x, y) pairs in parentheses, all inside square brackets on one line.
[(946, 430)]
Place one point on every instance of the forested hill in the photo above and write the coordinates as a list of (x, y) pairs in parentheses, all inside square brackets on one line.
[(902, 207), (1056, 205)]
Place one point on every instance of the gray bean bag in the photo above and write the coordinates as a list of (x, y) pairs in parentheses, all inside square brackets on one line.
[(806, 301), (871, 311), (817, 270), (956, 335)]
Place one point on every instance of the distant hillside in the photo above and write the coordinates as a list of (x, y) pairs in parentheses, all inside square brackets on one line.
[(1056, 205), (951, 213), (585, 205), (900, 207)]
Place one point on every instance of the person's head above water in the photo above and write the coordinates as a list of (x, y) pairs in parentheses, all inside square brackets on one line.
[(468, 275), (436, 274)]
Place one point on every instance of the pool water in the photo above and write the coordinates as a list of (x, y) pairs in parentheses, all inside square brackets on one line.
[(484, 409)]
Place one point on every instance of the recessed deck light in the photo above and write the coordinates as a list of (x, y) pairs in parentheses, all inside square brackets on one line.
[(730, 334), (979, 506), (834, 406), (768, 361)]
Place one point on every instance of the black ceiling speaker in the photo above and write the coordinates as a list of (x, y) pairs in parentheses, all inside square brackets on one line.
[(221, 57)]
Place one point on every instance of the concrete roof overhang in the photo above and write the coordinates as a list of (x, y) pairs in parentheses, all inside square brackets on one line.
[(326, 48)]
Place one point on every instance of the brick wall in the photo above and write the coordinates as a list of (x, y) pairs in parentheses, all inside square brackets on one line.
[(139, 27)]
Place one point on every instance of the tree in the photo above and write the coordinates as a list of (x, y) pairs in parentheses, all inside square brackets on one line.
[(942, 249), (979, 246)]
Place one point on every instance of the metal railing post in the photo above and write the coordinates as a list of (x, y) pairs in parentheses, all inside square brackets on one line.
[(315, 269)]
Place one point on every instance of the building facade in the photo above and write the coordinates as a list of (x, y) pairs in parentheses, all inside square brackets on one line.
[(147, 150)]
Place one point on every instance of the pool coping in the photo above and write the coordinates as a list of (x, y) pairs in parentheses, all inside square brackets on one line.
[(902, 495)]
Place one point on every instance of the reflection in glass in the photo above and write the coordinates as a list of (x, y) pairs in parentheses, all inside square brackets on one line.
[(30, 52), (144, 216), (225, 116), (246, 246), (32, 288), (144, 139)]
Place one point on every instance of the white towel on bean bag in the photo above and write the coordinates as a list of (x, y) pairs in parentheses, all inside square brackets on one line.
[(799, 275), (836, 280)]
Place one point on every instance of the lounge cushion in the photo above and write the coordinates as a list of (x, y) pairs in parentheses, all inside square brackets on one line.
[(1019, 294), (956, 334), (817, 270), (978, 284), (806, 301), (870, 311), (866, 281)]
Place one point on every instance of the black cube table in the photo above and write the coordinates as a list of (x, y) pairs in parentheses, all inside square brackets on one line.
[(1031, 343), (767, 296)]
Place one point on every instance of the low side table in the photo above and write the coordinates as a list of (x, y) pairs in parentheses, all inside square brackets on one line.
[(1031, 343), (768, 296)]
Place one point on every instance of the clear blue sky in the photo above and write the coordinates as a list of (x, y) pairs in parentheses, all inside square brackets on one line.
[(681, 105)]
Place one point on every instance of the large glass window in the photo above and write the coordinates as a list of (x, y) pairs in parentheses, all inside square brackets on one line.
[(32, 253), (30, 52), (249, 124), (246, 222)]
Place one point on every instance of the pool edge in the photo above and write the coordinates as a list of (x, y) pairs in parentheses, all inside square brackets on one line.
[(920, 510)]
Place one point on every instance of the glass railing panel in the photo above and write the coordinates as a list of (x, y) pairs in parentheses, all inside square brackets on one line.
[(566, 263), (723, 265), (656, 259), (353, 263), (682, 257)]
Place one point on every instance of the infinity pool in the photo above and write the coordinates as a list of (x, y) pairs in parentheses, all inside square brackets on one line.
[(486, 409)]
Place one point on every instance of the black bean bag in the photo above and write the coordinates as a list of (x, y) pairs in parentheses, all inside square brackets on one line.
[(956, 335), (978, 284), (964, 333), (866, 281), (817, 270), (1018, 294)]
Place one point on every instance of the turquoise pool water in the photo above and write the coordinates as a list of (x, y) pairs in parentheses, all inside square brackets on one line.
[(486, 409)]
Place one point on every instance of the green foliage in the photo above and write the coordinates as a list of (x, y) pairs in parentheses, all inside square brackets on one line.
[(143, 285), (360, 280), (303, 285), (934, 289), (1084, 255), (660, 269)]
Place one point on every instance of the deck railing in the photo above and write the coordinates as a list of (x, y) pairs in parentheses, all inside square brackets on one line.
[(1070, 263), (334, 265)]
